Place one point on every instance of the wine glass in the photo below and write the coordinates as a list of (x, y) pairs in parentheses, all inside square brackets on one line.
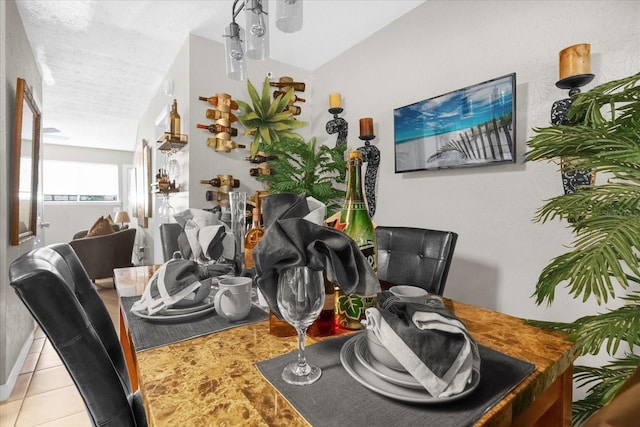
[(300, 300)]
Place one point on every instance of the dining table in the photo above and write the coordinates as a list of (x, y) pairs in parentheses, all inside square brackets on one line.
[(213, 378)]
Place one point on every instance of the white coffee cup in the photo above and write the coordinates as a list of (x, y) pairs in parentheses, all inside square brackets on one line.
[(233, 299), (409, 293)]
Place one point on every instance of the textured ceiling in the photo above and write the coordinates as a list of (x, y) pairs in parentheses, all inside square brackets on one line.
[(102, 60)]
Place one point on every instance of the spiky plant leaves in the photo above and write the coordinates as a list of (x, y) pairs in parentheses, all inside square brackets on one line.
[(267, 121)]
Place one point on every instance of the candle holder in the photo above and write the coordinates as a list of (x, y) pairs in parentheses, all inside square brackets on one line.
[(572, 178), (370, 156), (338, 125)]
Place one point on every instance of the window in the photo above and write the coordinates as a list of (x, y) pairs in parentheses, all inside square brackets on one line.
[(80, 182)]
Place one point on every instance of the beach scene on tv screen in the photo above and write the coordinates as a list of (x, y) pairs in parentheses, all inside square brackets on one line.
[(468, 127)]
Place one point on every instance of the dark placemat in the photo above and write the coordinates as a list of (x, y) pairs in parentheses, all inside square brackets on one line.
[(344, 401), (147, 334)]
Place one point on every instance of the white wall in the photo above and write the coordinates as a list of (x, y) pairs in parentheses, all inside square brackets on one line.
[(16, 60), (67, 219), (442, 46)]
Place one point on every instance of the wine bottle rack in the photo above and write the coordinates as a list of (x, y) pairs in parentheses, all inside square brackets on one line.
[(223, 117)]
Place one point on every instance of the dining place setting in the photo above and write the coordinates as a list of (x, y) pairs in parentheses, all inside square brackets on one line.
[(414, 358), (197, 295)]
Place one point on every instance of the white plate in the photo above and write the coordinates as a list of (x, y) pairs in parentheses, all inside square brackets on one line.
[(176, 317), (402, 378), (206, 303), (373, 382)]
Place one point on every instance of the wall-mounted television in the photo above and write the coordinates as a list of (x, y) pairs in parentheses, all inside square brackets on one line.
[(473, 126)]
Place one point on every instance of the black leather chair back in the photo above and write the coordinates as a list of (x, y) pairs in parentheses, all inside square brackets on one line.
[(54, 286), (169, 234), (415, 256)]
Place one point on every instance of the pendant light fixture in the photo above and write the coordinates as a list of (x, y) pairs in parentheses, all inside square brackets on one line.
[(256, 44), (289, 15), (257, 29)]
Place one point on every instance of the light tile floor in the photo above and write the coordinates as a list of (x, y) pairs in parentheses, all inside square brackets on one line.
[(44, 394)]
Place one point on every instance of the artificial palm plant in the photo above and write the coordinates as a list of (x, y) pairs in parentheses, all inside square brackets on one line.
[(268, 121), (605, 137), (307, 167)]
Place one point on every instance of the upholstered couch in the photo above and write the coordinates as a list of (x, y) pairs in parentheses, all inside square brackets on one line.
[(101, 254)]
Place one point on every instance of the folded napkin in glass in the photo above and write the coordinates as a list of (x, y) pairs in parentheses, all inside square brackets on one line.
[(428, 340), (177, 283), (294, 236), (204, 237)]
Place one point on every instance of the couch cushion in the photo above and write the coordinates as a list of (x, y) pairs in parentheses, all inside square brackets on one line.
[(100, 227)]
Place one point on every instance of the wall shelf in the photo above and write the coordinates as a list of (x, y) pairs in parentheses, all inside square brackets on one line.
[(171, 142)]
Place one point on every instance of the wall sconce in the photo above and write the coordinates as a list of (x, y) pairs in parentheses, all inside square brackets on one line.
[(575, 72), (337, 124), (257, 22), (370, 155)]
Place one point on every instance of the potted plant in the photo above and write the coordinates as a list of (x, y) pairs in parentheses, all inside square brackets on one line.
[(268, 121), (605, 137), (307, 167)]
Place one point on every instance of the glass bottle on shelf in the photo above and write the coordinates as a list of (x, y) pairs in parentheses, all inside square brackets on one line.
[(260, 158), (217, 114), (174, 121), (216, 128), (260, 171), (218, 100), (299, 86), (294, 110), (355, 221), (294, 98), (218, 182)]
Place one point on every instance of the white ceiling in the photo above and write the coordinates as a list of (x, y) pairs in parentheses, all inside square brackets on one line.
[(102, 60)]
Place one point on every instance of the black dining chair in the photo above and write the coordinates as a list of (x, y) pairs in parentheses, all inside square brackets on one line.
[(169, 234), (414, 256), (56, 289)]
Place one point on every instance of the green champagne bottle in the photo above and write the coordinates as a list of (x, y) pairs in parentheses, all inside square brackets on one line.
[(356, 223)]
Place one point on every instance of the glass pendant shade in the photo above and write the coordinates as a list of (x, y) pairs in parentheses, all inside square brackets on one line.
[(256, 12), (234, 52), (289, 15)]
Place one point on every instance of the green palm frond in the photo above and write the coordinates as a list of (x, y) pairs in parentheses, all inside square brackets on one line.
[(309, 168), (611, 328), (603, 384), (603, 248), (268, 121), (605, 138)]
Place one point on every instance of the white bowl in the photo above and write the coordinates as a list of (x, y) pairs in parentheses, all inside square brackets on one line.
[(380, 352)]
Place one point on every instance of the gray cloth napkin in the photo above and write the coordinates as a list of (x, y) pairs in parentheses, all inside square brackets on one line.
[(177, 282), (204, 237), (430, 342), (291, 241)]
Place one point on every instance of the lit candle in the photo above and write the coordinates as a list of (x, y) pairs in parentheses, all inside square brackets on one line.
[(366, 126), (335, 100), (575, 60)]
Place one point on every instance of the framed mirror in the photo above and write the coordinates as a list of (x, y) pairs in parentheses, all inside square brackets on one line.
[(25, 165)]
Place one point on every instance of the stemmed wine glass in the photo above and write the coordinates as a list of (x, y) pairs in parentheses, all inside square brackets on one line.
[(300, 300)]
